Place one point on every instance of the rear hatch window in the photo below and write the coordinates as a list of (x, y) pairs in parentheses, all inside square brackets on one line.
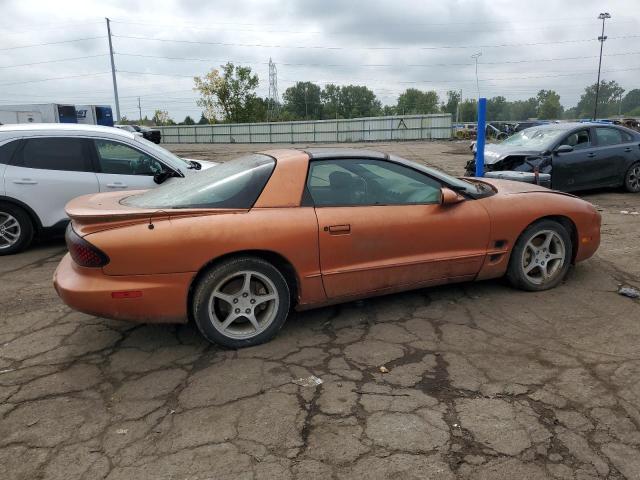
[(234, 184)]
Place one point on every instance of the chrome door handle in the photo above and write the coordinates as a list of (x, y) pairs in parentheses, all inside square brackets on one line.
[(117, 185), (628, 149), (591, 155), (25, 181)]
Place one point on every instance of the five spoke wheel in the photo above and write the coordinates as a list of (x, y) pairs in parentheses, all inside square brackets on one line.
[(543, 257), (243, 304)]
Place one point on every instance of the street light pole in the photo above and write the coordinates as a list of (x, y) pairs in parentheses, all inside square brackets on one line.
[(476, 56), (601, 38)]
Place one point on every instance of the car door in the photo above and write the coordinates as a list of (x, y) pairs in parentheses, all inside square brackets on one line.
[(577, 169), (381, 226), (612, 149), (46, 172), (122, 167)]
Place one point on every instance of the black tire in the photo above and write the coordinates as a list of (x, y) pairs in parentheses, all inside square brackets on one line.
[(523, 257), (10, 215), (632, 178), (224, 279)]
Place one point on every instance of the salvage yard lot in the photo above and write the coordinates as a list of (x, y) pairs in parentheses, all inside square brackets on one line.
[(484, 381)]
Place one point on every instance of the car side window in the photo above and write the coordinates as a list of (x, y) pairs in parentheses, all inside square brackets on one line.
[(55, 153), (7, 150), (118, 158), (361, 182), (578, 140), (608, 136)]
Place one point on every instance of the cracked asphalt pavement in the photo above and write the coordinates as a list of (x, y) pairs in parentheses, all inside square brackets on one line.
[(483, 381)]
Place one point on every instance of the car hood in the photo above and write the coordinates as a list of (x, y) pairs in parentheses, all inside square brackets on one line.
[(510, 187), (495, 152)]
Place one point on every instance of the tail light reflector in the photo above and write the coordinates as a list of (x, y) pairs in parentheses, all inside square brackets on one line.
[(82, 252)]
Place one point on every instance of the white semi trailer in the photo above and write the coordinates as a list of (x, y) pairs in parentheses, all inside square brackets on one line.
[(38, 113)]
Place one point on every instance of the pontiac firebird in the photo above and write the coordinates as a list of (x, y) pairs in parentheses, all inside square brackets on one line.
[(236, 247)]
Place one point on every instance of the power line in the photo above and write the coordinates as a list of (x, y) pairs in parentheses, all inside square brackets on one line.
[(51, 43), (376, 65), (328, 47), (54, 61), (54, 78)]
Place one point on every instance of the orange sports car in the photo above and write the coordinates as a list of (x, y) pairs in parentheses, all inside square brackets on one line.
[(236, 247)]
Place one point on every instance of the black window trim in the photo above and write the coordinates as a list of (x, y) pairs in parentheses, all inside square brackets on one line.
[(307, 198)]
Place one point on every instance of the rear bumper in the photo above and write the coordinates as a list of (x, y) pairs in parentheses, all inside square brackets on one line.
[(160, 298)]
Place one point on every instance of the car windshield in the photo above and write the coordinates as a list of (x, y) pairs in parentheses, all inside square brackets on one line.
[(234, 184), (164, 154), (534, 137)]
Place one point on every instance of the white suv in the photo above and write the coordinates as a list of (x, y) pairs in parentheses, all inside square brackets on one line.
[(43, 166)]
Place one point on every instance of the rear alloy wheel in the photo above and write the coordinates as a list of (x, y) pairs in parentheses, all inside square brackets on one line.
[(241, 302), (16, 229), (541, 257), (632, 178)]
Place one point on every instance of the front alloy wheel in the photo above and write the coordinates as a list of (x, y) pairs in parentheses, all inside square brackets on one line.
[(541, 256)]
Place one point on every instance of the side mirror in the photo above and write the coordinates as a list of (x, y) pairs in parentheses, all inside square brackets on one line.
[(449, 197), (564, 149)]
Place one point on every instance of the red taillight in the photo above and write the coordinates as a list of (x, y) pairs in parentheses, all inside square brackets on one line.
[(82, 252)]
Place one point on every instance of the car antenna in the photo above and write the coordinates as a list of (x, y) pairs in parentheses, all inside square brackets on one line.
[(151, 226)]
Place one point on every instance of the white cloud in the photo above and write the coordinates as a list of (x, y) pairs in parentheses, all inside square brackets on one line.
[(388, 46)]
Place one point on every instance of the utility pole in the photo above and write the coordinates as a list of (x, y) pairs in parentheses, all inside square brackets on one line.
[(601, 38), (476, 56), (113, 72), (305, 101), (458, 107), (140, 110)]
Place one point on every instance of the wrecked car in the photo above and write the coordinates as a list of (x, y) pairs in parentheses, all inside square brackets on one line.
[(578, 156)]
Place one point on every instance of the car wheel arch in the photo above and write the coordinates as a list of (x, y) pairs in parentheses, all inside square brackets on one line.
[(281, 263), (35, 220), (566, 222)]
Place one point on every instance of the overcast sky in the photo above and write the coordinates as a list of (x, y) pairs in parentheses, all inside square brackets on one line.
[(387, 45)]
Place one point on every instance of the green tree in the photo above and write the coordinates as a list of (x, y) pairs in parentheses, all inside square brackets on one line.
[(230, 93), (630, 101), (523, 109), (302, 100), (549, 107), (451, 105), (161, 117), (358, 101), (188, 121), (388, 110), (330, 97), (608, 97), (468, 110), (497, 109), (203, 120), (414, 101)]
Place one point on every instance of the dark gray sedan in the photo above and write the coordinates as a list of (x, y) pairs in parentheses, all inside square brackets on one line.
[(578, 156)]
